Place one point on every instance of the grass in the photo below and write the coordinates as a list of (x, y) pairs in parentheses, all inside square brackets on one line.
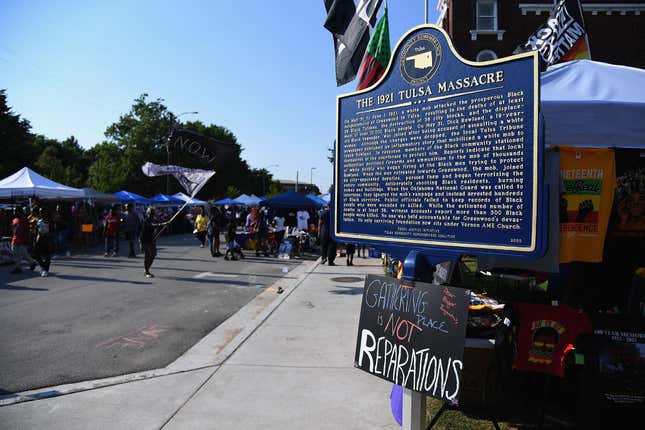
[(457, 419)]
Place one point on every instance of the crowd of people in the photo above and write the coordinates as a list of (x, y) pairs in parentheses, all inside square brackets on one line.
[(47, 231)]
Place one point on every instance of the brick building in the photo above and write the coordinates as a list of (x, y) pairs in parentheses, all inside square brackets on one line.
[(487, 29)]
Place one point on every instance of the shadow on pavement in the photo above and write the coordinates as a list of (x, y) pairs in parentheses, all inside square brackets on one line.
[(16, 288), (95, 278), (347, 291)]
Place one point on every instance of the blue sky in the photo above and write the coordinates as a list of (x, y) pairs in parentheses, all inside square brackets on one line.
[(265, 70)]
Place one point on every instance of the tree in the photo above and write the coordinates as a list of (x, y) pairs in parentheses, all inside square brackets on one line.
[(137, 137), (232, 191), (234, 172), (62, 162), (18, 149), (103, 173)]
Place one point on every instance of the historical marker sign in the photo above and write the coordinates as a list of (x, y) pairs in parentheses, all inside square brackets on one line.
[(442, 153), (413, 337)]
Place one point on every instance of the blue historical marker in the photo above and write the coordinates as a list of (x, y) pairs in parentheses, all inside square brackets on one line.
[(442, 154)]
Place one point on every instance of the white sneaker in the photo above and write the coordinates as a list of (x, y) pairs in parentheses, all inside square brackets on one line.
[(55, 257), (44, 273)]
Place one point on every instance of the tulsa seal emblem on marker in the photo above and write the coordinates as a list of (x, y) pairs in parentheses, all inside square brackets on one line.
[(420, 58)]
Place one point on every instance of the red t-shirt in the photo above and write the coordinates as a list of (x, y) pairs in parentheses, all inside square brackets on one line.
[(111, 225), (20, 228), (546, 335)]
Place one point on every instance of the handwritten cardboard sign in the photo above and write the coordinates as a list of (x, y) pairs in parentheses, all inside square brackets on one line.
[(413, 337)]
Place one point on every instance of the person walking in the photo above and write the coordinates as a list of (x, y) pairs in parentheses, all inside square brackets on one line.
[(261, 232), (327, 244), (60, 231), (232, 247), (201, 226), (278, 229), (214, 230), (44, 246), (130, 228), (111, 233), (20, 242), (361, 251), (148, 239)]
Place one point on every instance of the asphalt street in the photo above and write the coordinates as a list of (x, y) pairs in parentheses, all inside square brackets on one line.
[(96, 316)]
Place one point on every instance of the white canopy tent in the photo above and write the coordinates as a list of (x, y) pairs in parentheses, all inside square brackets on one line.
[(593, 104), (27, 183)]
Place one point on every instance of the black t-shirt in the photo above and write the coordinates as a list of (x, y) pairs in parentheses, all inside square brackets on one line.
[(147, 232)]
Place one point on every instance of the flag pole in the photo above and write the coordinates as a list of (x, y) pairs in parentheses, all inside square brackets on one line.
[(425, 4), (170, 220)]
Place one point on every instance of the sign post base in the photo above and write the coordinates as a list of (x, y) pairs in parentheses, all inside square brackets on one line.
[(414, 410)]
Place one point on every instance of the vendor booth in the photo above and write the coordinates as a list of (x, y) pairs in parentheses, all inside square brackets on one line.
[(93, 195), (128, 197), (162, 199), (26, 183), (566, 331)]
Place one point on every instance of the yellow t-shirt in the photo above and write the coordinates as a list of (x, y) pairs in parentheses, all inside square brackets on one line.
[(588, 184), (201, 223)]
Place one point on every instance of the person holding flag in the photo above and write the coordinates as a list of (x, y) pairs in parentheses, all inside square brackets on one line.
[(148, 239)]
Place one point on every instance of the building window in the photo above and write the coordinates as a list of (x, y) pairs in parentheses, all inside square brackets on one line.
[(487, 15), (486, 55)]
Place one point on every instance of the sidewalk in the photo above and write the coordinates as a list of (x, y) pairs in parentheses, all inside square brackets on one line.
[(284, 361)]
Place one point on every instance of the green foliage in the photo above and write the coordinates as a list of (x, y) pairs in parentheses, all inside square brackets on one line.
[(232, 191), (332, 153), (62, 162), (104, 173), (138, 136), (16, 139), (274, 189)]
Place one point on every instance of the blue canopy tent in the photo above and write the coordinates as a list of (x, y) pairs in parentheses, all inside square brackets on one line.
[(289, 200), (191, 201), (226, 201), (247, 200), (128, 197), (592, 104), (163, 199), (316, 199)]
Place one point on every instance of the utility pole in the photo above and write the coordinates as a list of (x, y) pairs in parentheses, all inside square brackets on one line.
[(297, 172), (311, 177)]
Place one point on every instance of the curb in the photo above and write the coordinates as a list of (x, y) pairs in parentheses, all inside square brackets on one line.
[(210, 352)]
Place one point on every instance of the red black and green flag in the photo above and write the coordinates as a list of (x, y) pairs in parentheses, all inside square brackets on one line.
[(377, 55)]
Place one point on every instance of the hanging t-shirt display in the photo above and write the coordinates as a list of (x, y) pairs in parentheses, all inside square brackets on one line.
[(546, 334), (588, 185)]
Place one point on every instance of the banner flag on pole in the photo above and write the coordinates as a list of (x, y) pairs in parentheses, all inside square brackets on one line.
[(562, 38), (191, 179), (351, 36), (377, 56), (204, 148)]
